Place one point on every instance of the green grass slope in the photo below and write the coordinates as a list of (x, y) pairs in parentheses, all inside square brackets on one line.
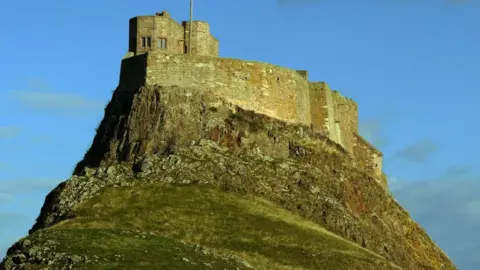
[(162, 226)]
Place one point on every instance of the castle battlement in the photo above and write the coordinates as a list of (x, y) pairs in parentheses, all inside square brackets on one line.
[(279, 92)]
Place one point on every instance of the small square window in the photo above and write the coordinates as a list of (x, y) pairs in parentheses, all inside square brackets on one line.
[(162, 43), (146, 42)]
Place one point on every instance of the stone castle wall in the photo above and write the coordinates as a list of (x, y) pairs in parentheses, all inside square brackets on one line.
[(368, 157), (162, 26), (156, 27), (319, 107), (333, 114), (275, 91), (267, 89), (202, 42), (345, 118), (133, 72)]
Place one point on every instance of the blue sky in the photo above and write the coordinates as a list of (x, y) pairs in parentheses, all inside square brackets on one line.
[(412, 66)]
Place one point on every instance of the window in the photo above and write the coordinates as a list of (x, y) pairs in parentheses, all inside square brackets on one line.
[(162, 43), (146, 42)]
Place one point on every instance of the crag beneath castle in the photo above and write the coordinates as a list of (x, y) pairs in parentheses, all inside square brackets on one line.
[(157, 56)]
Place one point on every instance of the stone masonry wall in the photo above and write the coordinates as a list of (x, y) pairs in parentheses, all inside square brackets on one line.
[(318, 107), (333, 114), (383, 180), (333, 129), (177, 35), (202, 42), (133, 71), (346, 119), (132, 35), (214, 48), (156, 27), (337, 117), (303, 73), (267, 89), (368, 157)]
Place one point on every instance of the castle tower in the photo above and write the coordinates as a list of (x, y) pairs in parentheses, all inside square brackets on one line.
[(161, 33)]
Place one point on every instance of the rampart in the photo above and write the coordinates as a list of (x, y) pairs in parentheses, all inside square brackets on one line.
[(278, 92), (275, 91), (333, 114), (368, 157)]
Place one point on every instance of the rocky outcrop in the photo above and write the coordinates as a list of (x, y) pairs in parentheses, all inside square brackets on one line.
[(186, 135)]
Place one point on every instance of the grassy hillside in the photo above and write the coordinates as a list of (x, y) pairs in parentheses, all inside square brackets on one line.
[(162, 226)]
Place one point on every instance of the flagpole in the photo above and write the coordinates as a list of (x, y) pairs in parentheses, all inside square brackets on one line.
[(191, 28)]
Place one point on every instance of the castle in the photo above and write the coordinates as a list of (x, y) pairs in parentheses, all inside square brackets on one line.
[(158, 54)]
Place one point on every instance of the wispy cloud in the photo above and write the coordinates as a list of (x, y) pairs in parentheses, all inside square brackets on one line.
[(10, 219), (38, 84), (15, 187), (14, 224), (9, 230), (41, 138), (449, 209), (371, 131), (40, 95), (458, 170), (419, 151), (295, 2), (459, 1), (55, 100), (283, 3), (8, 132), (4, 197)]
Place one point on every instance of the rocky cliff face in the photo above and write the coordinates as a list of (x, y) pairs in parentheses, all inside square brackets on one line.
[(187, 135)]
